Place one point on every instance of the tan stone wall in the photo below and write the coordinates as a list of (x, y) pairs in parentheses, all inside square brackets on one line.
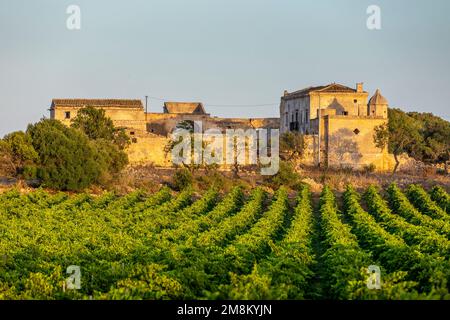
[(243, 123), (341, 147), (340, 102), (310, 157), (380, 110), (150, 132), (165, 123), (122, 117), (149, 149), (348, 141)]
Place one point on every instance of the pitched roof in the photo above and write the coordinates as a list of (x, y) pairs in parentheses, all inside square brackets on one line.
[(378, 99), (184, 107), (97, 103), (332, 87)]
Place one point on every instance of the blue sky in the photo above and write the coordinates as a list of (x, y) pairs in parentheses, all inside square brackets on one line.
[(220, 52)]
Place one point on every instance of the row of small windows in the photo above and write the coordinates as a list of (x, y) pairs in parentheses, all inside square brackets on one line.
[(304, 117)]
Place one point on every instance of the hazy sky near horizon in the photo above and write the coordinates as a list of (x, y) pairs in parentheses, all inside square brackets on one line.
[(227, 54)]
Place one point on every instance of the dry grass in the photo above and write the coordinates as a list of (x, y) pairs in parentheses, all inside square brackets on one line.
[(339, 179), (315, 177), (152, 179)]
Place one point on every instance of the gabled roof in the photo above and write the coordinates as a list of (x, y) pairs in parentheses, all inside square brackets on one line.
[(184, 107), (97, 103), (306, 91), (335, 87), (332, 87), (377, 99)]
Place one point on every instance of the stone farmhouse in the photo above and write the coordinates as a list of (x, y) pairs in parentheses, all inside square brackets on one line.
[(340, 121), (335, 119), (150, 131)]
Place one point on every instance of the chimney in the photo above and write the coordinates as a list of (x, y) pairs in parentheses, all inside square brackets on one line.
[(359, 87), (286, 93)]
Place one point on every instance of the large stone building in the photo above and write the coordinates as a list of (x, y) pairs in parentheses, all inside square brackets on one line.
[(150, 131), (338, 120), (124, 113)]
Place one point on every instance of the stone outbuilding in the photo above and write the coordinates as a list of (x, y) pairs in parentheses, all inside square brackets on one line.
[(150, 131)]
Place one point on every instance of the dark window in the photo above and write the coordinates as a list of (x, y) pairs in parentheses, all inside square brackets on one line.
[(132, 133), (355, 101), (345, 113), (134, 140), (356, 131), (67, 114), (296, 116), (293, 126)]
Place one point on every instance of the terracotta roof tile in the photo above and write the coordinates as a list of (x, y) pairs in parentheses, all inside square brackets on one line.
[(332, 87), (377, 99), (99, 103)]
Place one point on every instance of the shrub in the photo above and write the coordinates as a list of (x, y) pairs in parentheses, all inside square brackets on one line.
[(213, 179), (30, 172), (369, 168), (182, 179), (110, 158), (68, 160), (19, 154), (6, 160), (292, 146), (96, 125), (286, 176)]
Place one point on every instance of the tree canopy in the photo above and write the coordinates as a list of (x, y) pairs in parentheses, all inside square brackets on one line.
[(422, 136), (18, 154), (292, 146), (66, 158), (94, 123), (435, 131)]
